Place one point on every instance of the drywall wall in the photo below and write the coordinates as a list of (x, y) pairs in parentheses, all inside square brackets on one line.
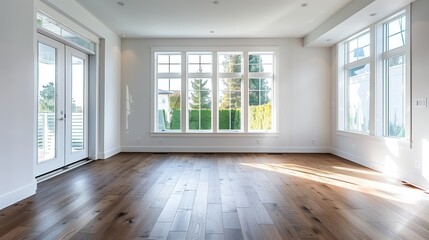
[(396, 158), (303, 84), (17, 102)]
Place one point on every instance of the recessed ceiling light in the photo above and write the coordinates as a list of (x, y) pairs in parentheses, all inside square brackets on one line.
[(120, 4), (216, 2), (372, 14), (123, 35), (212, 31), (328, 40), (304, 5)]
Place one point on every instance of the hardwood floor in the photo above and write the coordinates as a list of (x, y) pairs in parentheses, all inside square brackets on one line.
[(219, 196)]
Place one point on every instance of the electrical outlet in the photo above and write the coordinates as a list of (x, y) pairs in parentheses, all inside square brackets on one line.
[(418, 164), (313, 142), (421, 103), (161, 140), (138, 140), (258, 141), (354, 147)]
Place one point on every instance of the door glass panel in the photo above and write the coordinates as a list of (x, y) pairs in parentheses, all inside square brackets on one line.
[(77, 104), (46, 129)]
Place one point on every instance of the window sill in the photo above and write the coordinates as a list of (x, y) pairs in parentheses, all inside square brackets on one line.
[(214, 135), (401, 142)]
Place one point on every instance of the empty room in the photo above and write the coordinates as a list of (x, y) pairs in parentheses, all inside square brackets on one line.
[(214, 119)]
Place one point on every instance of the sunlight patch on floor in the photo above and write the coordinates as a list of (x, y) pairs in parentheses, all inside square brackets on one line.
[(375, 188)]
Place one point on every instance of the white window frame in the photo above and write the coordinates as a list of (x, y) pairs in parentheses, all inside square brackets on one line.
[(343, 82), (260, 75), (188, 87), (385, 55), (155, 78), (377, 74), (240, 75), (215, 76)]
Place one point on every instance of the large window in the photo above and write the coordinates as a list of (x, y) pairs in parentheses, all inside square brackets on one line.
[(222, 91), (394, 85), (230, 95), (199, 91), (168, 82), (260, 91), (372, 82), (357, 84)]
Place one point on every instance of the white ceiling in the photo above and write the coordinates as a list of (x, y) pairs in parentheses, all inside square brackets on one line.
[(228, 18)]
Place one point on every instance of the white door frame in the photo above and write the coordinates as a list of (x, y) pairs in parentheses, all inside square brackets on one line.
[(64, 155)]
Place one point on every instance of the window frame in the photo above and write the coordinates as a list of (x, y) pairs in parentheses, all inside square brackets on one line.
[(189, 76), (385, 56), (261, 75), (345, 79), (377, 60), (214, 89), (169, 75)]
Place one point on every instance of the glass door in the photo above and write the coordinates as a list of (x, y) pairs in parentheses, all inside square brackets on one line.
[(62, 105), (77, 105), (51, 108)]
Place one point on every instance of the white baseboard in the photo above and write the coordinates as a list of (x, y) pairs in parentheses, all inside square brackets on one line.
[(357, 159), (110, 153), (226, 149), (17, 195)]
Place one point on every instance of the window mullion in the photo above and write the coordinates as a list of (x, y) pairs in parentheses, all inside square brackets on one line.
[(184, 93), (372, 83), (245, 92), (215, 84)]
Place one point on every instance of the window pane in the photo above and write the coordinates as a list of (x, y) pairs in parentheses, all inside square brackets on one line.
[(199, 104), (168, 63), (229, 63), (168, 105), (46, 129), (358, 99), (260, 104), (199, 63), (78, 117), (261, 63), (175, 68), (395, 33), (359, 47), (229, 104), (395, 97), (175, 58)]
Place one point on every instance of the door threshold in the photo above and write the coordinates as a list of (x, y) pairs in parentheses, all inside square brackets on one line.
[(62, 170)]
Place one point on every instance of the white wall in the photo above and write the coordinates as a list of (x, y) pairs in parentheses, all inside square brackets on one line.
[(17, 93), (17, 118), (304, 87), (397, 159), (109, 135)]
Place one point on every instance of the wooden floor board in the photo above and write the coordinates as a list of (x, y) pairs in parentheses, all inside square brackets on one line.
[(219, 196)]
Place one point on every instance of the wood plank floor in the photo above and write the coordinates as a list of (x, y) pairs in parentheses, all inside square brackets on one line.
[(219, 196)]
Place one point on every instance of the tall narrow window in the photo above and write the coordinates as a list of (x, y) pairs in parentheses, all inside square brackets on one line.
[(168, 81), (394, 62), (230, 95), (261, 68), (199, 91), (357, 83)]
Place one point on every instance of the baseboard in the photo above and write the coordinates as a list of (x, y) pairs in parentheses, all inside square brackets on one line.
[(226, 149), (17, 195), (357, 159), (110, 153)]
